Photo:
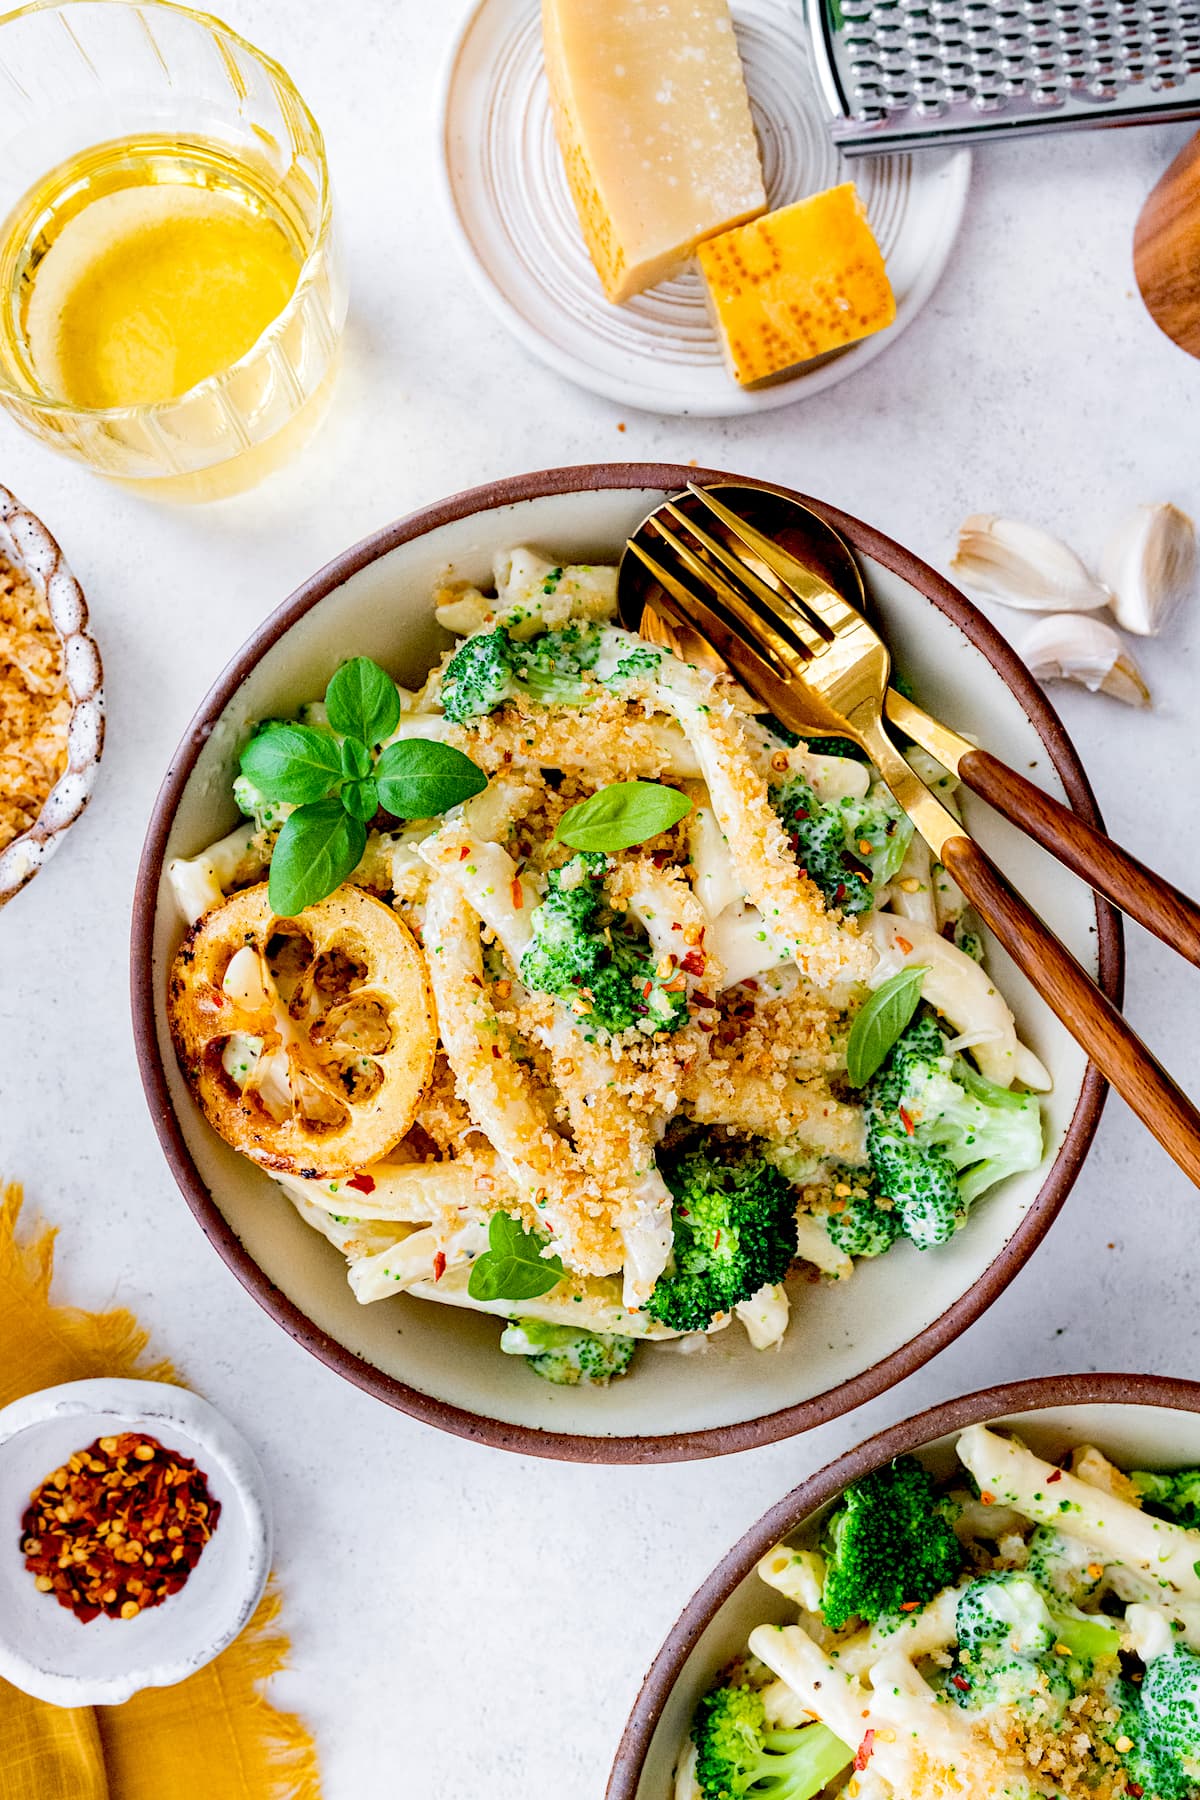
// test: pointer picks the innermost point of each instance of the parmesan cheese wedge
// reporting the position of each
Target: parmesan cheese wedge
(806, 279)
(654, 124)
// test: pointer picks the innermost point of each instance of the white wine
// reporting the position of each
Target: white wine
(141, 267)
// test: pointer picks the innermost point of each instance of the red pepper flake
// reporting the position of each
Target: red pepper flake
(908, 1124)
(464, 852)
(909, 1605)
(904, 945)
(1057, 1476)
(518, 893)
(439, 1265)
(695, 962)
(703, 999)
(839, 892)
(961, 1683)
(863, 1754)
(987, 1498)
(798, 812)
(1131, 1787)
(647, 990)
(362, 1184)
(79, 1561)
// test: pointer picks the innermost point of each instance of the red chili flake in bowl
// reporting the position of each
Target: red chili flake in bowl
(118, 1528)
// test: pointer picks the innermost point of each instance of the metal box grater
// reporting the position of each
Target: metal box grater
(896, 74)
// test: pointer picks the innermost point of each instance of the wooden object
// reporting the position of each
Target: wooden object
(1090, 1017)
(1111, 871)
(1166, 250)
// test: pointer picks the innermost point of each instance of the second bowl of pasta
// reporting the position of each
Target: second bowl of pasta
(559, 1047)
(998, 1597)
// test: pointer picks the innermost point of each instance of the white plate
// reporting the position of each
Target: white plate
(44, 1649)
(509, 198)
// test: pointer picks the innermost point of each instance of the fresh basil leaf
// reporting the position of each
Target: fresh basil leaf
(419, 778)
(512, 1268)
(356, 759)
(361, 799)
(295, 763)
(879, 1023)
(626, 813)
(362, 701)
(319, 846)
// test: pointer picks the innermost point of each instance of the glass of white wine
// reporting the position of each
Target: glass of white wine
(171, 296)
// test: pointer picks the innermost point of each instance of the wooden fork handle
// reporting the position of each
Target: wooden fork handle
(1129, 884)
(1073, 997)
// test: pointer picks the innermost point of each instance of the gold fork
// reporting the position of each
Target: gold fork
(820, 666)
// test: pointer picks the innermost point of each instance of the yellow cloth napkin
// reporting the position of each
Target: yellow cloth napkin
(215, 1733)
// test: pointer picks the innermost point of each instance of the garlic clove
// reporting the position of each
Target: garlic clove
(1150, 564)
(1024, 566)
(1069, 647)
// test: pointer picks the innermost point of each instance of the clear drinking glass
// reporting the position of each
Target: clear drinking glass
(81, 73)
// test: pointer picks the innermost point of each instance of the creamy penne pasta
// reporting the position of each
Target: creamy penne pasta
(945, 1646)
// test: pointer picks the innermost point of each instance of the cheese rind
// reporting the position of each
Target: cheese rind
(803, 280)
(653, 121)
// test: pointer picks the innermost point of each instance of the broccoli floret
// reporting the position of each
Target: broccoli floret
(850, 847)
(567, 1356)
(888, 1545)
(268, 815)
(857, 1223)
(491, 667)
(939, 1135)
(1158, 1734)
(1016, 1649)
(478, 677)
(594, 959)
(738, 1754)
(734, 1224)
(642, 661)
(1062, 1567)
(1172, 1495)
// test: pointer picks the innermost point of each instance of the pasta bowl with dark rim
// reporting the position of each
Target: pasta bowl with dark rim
(1138, 1421)
(847, 1341)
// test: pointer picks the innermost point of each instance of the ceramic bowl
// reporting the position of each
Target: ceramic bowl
(1141, 1421)
(28, 547)
(846, 1342)
(44, 1649)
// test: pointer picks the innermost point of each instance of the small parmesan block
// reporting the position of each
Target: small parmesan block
(798, 282)
(654, 125)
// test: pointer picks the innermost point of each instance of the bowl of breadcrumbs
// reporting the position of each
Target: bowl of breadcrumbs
(51, 699)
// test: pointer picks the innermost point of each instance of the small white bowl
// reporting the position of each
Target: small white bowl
(44, 1649)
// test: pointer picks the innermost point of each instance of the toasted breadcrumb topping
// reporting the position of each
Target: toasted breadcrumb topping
(35, 705)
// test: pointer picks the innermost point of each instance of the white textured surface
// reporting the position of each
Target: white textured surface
(462, 1621)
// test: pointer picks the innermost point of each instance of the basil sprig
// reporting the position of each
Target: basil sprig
(880, 1022)
(626, 813)
(513, 1267)
(337, 778)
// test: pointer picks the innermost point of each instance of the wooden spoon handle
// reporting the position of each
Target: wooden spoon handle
(1073, 997)
(1129, 884)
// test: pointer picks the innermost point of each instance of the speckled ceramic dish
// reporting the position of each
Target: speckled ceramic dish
(44, 1649)
(28, 546)
(1141, 1421)
(513, 213)
(847, 1341)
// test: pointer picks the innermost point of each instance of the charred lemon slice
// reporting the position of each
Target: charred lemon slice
(307, 1042)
